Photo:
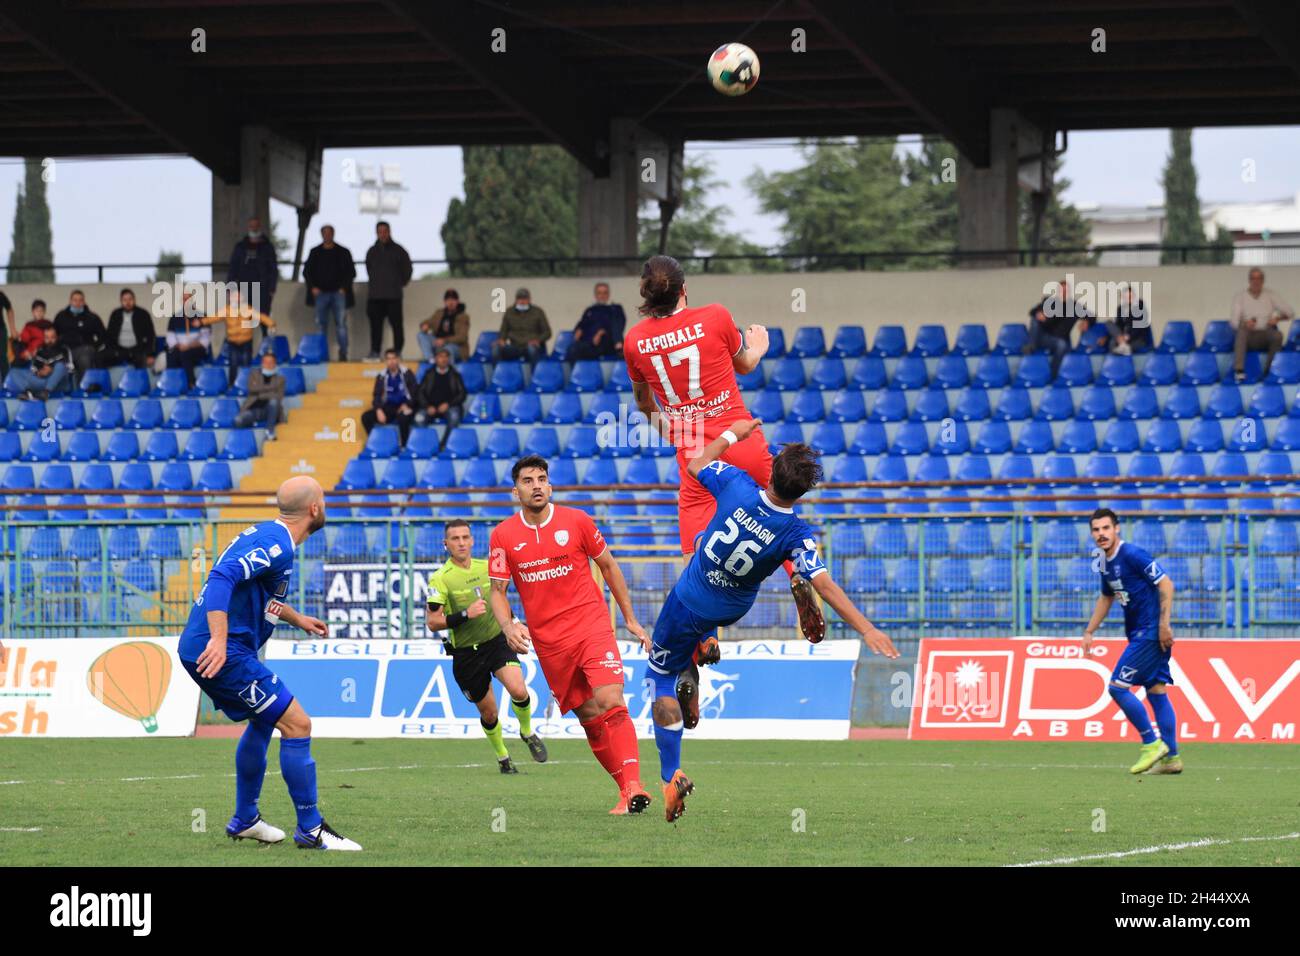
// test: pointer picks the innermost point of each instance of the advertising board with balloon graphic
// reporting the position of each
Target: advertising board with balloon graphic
(96, 687)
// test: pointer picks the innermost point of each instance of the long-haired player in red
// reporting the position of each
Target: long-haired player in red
(684, 361)
(545, 550)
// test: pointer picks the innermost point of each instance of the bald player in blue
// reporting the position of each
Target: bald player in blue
(241, 602)
(1134, 578)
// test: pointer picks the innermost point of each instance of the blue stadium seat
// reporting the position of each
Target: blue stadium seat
(1035, 371)
(808, 342)
(70, 413)
(1181, 402)
(1224, 402)
(1059, 467)
(1090, 341)
(768, 406)
(1163, 436)
(160, 446)
(463, 443)
(209, 380)
(542, 440)
(583, 442)
(1075, 370)
(1101, 467)
(507, 377)
(784, 434)
(1287, 436)
(240, 445)
(602, 471)
(1035, 438)
(1140, 403)
(164, 543)
(890, 468)
(931, 341)
(972, 405)
(889, 406)
(525, 409)
(312, 350)
(1145, 465)
(1078, 438)
(1267, 401)
(134, 383)
(992, 372)
(951, 372)
(869, 373)
(175, 476)
(931, 406)
(951, 439)
(94, 381)
(96, 476)
(973, 467)
(1117, 370)
(31, 416)
(933, 468)
(587, 375)
(1055, 405)
(847, 406)
(850, 342)
(398, 473)
(1159, 369)
(1285, 369)
(749, 382)
(994, 438)
(910, 373)
(384, 441)
(827, 375)
(1013, 405)
(1149, 535)
(1274, 463)
(850, 468)
(199, 446)
(642, 471)
(185, 414)
(775, 343)
(1014, 467)
(122, 446)
(806, 407)
(869, 439)
(295, 381)
(890, 341)
(604, 408)
(1012, 339)
(474, 375)
(828, 438)
(136, 476)
(480, 473)
(39, 449)
(172, 383)
(565, 409)
(484, 408)
(123, 543)
(147, 414)
(82, 446)
(1187, 464)
(786, 375)
(1121, 438)
(357, 473)
(1178, 337)
(222, 413)
(502, 442)
(55, 478)
(1202, 368)
(1097, 404)
(621, 382)
(10, 444)
(438, 473)
(1219, 337)
(1205, 435)
(483, 346)
(971, 340)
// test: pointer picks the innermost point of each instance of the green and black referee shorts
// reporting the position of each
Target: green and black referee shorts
(473, 667)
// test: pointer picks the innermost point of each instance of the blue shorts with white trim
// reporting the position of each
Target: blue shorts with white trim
(244, 689)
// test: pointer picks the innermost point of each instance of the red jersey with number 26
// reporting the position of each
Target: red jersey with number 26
(687, 358)
(548, 565)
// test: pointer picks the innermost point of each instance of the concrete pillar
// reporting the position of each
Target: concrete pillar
(988, 210)
(234, 203)
(607, 207)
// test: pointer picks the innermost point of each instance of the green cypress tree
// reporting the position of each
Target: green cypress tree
(33, 243)
(1183, 225)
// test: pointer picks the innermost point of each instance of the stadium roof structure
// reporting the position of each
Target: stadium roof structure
(94, 77)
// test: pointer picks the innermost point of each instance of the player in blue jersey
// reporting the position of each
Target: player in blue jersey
(753, 532)
(233, 616)
(1135, 579)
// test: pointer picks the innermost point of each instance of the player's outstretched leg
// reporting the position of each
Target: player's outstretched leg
(250, 770)
(521, 705)
(687, 694)
(1163, 708)
(1152, 747)
(299, 772)
(612, 737)
(668, 724)
(811, 620)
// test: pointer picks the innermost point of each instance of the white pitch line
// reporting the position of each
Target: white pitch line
(10, 783)
(20, 829)
(1162, 848)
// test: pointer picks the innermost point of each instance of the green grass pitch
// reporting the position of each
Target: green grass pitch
(134, 802)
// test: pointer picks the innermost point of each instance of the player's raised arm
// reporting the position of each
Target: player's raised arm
(714, 449)
(834, 595)
(1099, 612)
(753, 347)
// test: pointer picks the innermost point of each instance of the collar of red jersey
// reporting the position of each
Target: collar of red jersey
(538, 527)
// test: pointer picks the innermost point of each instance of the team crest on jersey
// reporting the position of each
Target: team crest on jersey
(561, 537)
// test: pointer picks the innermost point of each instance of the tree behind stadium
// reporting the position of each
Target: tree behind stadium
(33, 241)
(1183, 225)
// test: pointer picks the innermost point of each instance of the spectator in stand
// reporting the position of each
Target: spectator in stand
(51, 367)
(265, 398)
(524, 331)
(130, 337)
(448, 328)
(328, 273)
(395, 397)
(1256, 312)
(10, 351)
(442, 395)
(1130, 330)
(188, 338)
(600, 330)
(252, 261)
(1051, 322)
(241, 320)
(81, 332)
(388, 268)
(32, 337)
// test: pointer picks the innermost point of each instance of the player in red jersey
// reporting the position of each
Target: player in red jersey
(544, 550)
(685, 361)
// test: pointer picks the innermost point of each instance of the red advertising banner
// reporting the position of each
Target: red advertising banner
(1044, 689)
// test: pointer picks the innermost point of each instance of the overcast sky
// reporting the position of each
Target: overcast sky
(127, 210)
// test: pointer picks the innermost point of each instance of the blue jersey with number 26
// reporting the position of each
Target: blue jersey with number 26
(748, 539)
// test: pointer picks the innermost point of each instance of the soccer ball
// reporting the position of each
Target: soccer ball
(733, 69)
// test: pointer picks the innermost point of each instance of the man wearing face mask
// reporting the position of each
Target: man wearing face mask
(253, 262)
(81, 332)
(265, 397)
(524, 331)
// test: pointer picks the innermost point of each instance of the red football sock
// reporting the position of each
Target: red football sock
(621, 734)
(599, 737)
(789, 568)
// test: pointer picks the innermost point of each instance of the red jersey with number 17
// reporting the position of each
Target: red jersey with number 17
(548, 565)
(687, 358)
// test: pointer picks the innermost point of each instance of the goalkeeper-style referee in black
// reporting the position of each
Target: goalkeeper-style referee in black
(478, 648)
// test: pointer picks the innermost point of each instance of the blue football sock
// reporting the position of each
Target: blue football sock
(250, 769)
(299, 772)
(1165, 720)
(1134, 711)
(669, 742)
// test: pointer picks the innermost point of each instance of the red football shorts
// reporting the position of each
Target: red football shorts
(575, 667)
(696, 506)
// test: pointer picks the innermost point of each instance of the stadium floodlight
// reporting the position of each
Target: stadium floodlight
(390, 203)
(369, 174)
(391, 174)
(368, 201)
